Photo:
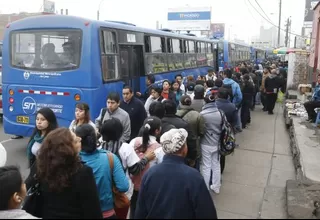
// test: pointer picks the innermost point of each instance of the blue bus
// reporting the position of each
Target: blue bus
(230, 54)
(57, 61)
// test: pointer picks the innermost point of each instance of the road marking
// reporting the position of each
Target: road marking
(5, 141)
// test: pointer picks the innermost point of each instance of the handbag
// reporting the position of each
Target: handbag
(120, 199)
(32, 204)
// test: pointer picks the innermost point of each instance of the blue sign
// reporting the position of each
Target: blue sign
(187, 16)
(217, 30)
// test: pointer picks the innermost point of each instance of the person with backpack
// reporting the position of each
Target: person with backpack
(143, 145)
(235, 94)
(210, 144)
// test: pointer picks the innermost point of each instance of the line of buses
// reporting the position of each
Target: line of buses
(57, 61)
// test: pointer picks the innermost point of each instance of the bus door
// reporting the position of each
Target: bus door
(132, 65)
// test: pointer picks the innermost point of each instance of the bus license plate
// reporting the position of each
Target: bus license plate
(23, 119)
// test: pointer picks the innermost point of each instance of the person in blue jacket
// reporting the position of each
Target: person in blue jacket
(236, 94)
(313, 103)
(99, 162)
(184, 196)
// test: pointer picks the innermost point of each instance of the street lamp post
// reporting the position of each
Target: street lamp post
(98, 12)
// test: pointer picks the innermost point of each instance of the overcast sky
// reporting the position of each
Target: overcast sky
(243, 20)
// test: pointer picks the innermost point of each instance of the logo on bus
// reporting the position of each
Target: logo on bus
(26, 75)
(29, 105)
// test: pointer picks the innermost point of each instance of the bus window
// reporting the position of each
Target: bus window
(175, 59)
(156, 60)
(46, 50)
(156, 45)
(210, 55)
(201, 56)
(0, 49)
(191, 47)
(109, 55)
(190, 58)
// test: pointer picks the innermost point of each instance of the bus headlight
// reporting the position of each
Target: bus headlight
(11, 108)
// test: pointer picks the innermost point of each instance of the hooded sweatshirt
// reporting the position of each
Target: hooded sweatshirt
(237, 94)
(16, 214)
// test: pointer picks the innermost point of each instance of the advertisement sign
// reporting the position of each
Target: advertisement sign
(217, 30)
(49, 6)
(189, 18)
(310, 4)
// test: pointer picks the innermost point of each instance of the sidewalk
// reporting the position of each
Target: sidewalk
(255, 177)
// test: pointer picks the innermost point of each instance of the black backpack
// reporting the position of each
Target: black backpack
(229, 88)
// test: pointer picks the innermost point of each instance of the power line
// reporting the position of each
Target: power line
(274, 24)
(251, 12)
(263, 10)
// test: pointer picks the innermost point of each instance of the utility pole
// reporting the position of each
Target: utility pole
(289, 32)
(279, 26)
(288, 26)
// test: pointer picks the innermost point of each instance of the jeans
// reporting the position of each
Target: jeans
(210, 161)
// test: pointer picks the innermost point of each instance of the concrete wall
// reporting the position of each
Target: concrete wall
(298, 70)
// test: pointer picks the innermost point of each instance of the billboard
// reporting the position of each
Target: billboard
(217, 30)
(189, 18)
(308, 14)
(48, 6)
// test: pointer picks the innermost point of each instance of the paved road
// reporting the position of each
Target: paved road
(16, 151)
(255, 176)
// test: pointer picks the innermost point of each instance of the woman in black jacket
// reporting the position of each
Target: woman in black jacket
(68, 187)
(247, 98)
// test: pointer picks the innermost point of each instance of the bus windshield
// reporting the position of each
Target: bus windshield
(46, 50)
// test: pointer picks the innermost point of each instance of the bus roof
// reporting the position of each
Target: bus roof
(67, 21)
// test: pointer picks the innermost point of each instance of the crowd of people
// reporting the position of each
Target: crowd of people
(156, 154)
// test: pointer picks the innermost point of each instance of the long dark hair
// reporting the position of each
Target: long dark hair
(50, 117)
(57, 160)
(151, 124)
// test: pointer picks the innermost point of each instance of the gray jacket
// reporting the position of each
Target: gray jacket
(213, 120)
(124, 118)
(16, 214)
